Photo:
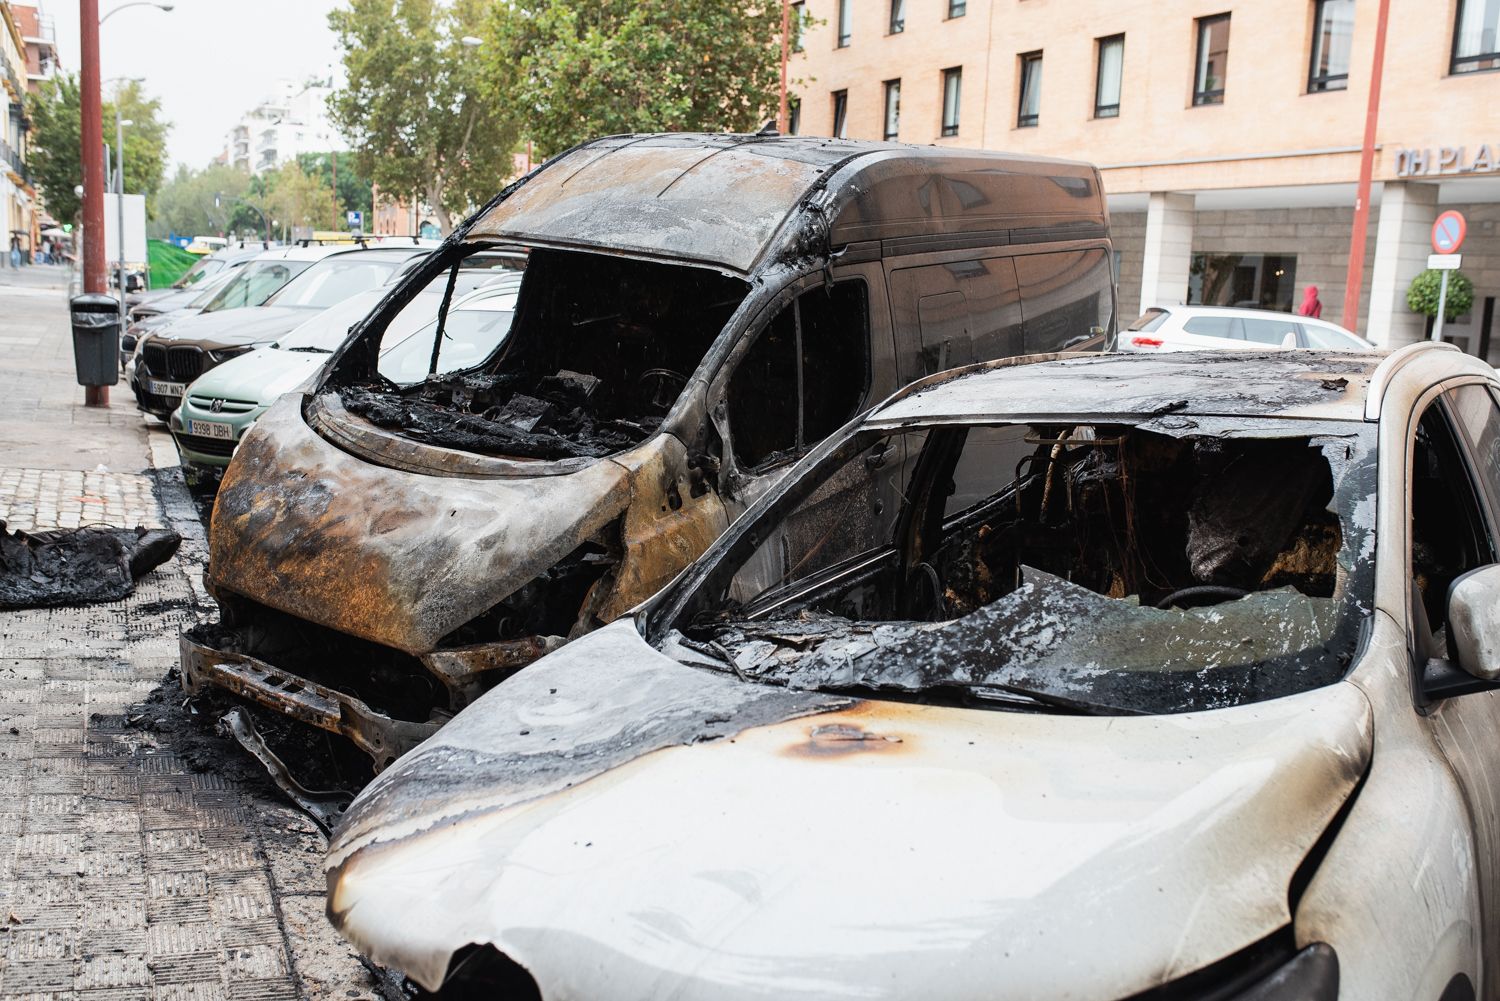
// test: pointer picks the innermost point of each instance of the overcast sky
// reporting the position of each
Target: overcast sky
(207, 60)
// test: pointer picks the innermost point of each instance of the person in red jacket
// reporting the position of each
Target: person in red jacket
(1311, 304)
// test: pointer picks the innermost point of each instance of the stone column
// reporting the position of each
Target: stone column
(1168, 249)
(1403, 239)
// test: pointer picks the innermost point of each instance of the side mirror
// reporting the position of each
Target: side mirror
(1474, 622)
(1289, 340)
(1473, 663)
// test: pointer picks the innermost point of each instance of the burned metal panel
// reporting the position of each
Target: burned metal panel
(78, 566)
(718, 200)
(1130, 388)
(741, 868)
(397, 558)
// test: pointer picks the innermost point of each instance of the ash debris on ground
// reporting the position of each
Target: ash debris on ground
(503, 414)
(78, 566)
(190, 725)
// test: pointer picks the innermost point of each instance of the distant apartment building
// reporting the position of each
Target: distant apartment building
(1228, 133)
(39, 35)
(18, 215)
(293, 120)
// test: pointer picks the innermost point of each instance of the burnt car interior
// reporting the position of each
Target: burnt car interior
(599, 350)
(1039, 559)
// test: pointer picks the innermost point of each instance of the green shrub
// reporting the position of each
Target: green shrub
(1422, 296)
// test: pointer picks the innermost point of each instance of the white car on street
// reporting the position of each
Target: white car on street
(1227, 328)
(1096, 677)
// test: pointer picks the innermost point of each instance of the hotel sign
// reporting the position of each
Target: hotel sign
(1482, 159)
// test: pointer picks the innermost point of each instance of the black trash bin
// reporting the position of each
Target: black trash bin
(96, 338)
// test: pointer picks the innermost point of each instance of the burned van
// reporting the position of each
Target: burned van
(697, 312)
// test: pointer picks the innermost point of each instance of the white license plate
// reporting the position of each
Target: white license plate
(164, 388)
(211, 429)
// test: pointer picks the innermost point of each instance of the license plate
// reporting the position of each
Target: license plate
(211, 429)
(164, 388)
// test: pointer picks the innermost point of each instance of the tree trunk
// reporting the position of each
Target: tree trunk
(434, 198)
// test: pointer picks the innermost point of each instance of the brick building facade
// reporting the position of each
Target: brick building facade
(1228, 133)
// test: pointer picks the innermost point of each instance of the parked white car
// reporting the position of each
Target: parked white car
(1226, 328)
(1094, 677)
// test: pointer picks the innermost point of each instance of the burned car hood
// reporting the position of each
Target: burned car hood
(625, 826)
(236, 326)
(397, 557)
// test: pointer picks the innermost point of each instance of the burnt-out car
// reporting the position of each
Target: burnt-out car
(697, 312)
(1096, 677)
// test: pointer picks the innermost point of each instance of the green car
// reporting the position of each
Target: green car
(219, 407)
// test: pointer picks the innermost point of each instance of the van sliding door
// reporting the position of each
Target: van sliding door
(948, 315)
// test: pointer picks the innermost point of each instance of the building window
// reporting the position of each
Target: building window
(799, 14)
(892, 109)
(1107, 85)
(1333, 36)
(1031, 90)
(840, 114)
(794, 116)
(1255, 281)
(958, 8)
(1213, 59)
(846, 22)
(898, 16)
(1476, 36)
(952, 90)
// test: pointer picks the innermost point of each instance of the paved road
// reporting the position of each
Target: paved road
(127, 870)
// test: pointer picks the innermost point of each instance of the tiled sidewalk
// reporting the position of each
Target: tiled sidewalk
(130, 870)
(38, 499)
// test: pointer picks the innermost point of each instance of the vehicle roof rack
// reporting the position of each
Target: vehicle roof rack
(1385, 372)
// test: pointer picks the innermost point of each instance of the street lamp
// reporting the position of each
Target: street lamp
(91, 138)
(135, 3)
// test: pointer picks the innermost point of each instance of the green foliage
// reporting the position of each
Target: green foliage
(353, 190)
(185, 205)
(168, 263)
(1422, 295)
(412, 108)
(56, 150)
(295, 199)
(601, 67)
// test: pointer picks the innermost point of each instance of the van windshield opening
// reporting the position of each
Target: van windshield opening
(1084, 567)
(599, 349)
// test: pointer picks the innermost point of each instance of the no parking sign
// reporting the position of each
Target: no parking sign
(1448, 232)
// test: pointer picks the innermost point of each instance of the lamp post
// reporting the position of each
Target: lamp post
(92, 140)
(120, 124)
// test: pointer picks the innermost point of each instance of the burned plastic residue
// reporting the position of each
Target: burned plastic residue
(78, 566)
(516, 415)
(1127, 572)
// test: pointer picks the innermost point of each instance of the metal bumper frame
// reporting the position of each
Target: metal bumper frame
(380, 736)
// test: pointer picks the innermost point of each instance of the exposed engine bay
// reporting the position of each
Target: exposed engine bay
(600, 348)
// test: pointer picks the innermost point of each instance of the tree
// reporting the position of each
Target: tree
(601, 67)
(411, 108)
(297, 199)
(353, 189)
(1422, 295)
(185, 204)
(57, 154)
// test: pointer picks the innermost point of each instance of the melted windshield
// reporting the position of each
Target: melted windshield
(254, 283)
(1175, 565)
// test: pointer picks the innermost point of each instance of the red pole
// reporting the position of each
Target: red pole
(92, 140)
(1356, 275)
(786, 47)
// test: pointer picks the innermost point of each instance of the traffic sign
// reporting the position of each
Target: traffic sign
(356, 219)
(1448, 232)
(1444, 262)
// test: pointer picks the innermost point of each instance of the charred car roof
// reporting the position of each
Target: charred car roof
(722, 199)
(1130, 388)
